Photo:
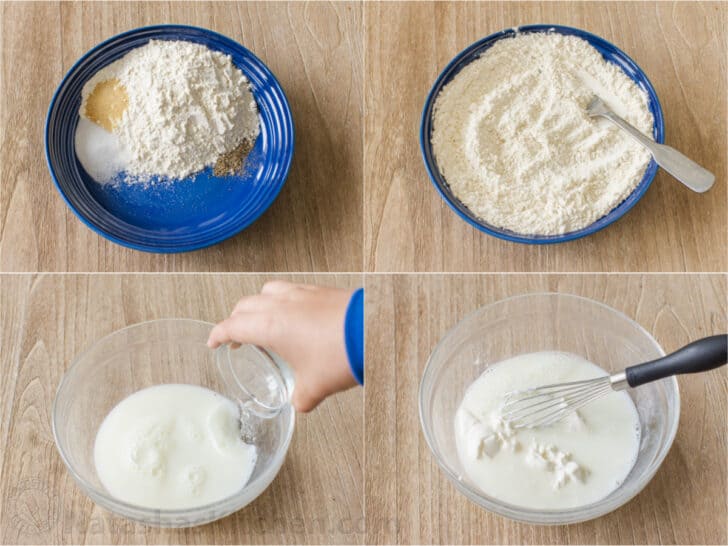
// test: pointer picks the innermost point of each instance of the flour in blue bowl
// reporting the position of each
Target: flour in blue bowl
(513, 141)
(187, 106)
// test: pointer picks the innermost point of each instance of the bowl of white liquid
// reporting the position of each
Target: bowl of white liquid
(158, 428)
(575, 470)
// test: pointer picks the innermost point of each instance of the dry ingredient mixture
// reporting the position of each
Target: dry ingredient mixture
(512, 138)
(170, 109)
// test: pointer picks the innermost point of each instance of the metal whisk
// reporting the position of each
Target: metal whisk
(546, 405)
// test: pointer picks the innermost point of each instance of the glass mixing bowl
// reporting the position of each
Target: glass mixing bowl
(541, 322)
(172, 351)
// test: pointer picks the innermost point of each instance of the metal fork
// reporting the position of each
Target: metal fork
(685, 170)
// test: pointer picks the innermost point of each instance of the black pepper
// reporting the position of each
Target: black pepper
(232, 161)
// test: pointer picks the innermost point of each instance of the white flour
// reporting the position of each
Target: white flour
(512, 139)
(187, 106)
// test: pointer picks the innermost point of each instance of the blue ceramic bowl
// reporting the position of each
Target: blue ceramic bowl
(612, 54)
(181, 215)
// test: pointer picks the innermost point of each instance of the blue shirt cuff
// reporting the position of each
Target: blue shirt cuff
(354, 335)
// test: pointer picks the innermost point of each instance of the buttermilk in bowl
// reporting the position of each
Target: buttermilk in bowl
(572, 463)
(173, 447)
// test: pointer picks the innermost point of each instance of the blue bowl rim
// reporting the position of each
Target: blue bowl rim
(180, 248)
(433, 171)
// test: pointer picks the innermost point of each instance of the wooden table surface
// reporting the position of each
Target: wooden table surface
(319, 223)
(408, 227)
(315, 51)
(409, 500)
(45, 320)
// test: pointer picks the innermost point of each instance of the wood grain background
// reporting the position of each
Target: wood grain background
(315, 51)
(408, 227)
(46, 320)
(409, 500)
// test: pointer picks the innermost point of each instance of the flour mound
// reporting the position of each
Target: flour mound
(187, 106)
(512, 138)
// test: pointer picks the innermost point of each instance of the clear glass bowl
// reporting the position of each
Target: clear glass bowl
(540, 322)
(172, 351)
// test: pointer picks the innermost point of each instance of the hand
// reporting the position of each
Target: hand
(304, 325)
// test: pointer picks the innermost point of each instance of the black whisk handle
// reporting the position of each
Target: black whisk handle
(699, 356)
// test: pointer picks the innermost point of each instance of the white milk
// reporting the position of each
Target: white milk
(569, 464)
(171, 447)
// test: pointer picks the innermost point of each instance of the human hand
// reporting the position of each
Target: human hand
(303, 324)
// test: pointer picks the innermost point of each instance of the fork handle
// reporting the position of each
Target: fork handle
(678, 165)
(699, 356)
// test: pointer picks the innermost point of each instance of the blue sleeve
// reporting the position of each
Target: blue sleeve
(354, 334)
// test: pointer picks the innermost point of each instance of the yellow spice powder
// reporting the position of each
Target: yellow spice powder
(107, 103)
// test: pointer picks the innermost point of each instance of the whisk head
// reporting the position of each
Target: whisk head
(549, 404)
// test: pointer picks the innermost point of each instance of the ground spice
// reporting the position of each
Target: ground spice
(232, 161)
(106, 104)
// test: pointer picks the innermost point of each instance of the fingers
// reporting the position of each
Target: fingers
(219, 335)
(252, 320)
(271, 295)
(277, 288)
(283, 288)
(302, 401)
(253, 304)
(244, 328)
